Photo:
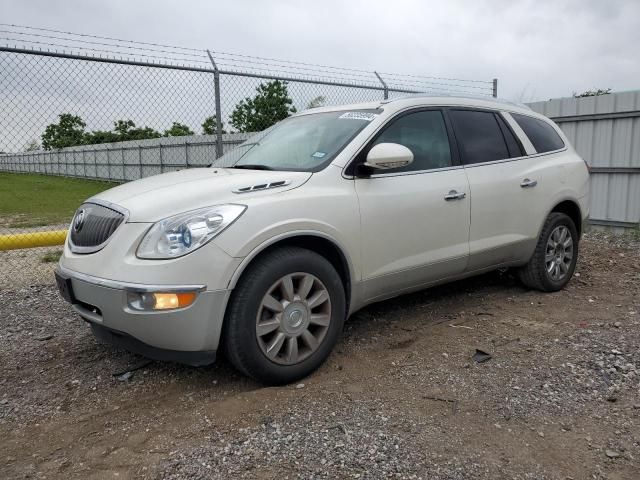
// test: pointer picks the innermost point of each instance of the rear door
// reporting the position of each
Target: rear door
(509, 189)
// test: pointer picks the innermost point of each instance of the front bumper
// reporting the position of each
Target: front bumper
(165, 335)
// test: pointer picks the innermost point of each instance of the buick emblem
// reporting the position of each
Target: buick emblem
(78, 223)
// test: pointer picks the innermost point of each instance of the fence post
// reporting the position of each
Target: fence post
(495, 88)
(95, 163)
(124, 169)
(216, 87)
(384, 85)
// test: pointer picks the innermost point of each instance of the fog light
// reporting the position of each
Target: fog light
(160, 300)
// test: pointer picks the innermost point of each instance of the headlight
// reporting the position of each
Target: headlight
(181, 234)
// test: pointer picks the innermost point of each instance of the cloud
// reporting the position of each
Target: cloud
(537, 49)
(553, 47)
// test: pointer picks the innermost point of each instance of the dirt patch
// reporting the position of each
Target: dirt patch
(401, 397)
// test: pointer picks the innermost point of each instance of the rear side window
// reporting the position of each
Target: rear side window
(479, 136)
(542, 135)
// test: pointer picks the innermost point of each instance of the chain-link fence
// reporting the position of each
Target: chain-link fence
(81, 113)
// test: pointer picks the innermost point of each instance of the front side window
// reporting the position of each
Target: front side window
(542, 135)
(479, 136)
(425, 134)
(304, 143)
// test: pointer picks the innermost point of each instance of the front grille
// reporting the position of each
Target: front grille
(92, 226)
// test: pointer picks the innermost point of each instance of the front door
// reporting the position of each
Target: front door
(414, 219)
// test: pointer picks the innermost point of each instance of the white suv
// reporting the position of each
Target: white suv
(268, 251)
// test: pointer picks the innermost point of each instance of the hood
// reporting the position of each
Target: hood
(154, 198)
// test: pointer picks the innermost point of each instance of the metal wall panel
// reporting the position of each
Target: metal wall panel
(123, 161)
(605, 130)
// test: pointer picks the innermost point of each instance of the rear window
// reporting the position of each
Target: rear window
(542, 135)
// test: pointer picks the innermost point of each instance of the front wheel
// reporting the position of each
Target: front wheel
(554, 259)
(285, 316)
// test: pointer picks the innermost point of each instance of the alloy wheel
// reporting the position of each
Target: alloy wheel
(293, 318)
(559, 253)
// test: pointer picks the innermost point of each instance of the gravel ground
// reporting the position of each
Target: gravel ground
(402, 396)
(24, 268)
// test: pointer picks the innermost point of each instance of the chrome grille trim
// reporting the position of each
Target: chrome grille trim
(133, 287)
(97, 229)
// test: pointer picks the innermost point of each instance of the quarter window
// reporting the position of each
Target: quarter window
(542, 135)
(479, 136)
(425, 134)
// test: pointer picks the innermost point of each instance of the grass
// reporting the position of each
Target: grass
(30, 200)
(51, 257)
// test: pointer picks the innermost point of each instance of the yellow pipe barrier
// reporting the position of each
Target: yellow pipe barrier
(32, 240)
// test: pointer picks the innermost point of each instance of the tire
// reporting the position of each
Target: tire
(537, 274)
(254, 325)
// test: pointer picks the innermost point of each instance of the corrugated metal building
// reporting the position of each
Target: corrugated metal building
(605, 130)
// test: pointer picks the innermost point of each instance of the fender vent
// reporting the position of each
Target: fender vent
(262, 186)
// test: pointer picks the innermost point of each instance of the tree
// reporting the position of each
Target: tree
(592, 93)
(127, 130)
(319, 101)
(123, 130)
(271, 104)
(68, 132)
(32, 146)
(210, 126)
(100, 136)
(178, 130)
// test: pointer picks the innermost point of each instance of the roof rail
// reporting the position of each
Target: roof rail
(470, 97)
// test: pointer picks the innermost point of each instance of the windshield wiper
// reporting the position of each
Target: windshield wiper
(253, 166)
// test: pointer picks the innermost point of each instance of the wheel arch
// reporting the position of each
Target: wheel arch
(571, 208)
(317, 242)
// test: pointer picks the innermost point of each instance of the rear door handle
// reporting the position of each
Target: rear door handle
(527, 183)
(454, 195)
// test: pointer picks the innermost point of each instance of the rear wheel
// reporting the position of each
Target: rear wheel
(285, 316)
(554, 259)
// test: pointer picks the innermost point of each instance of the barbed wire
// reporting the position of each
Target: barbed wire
(99, 37)
(201, 55)
(101, 50)
(253, 63)
(435, 78)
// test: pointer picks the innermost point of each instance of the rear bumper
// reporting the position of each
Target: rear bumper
(189, 335)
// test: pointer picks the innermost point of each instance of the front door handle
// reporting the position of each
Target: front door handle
(454, 195)
(527, 183)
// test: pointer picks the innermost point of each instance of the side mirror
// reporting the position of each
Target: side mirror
(388, 155)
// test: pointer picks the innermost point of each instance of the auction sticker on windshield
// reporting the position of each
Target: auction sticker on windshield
(359, 116)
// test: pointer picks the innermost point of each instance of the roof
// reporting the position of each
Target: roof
(427, 100)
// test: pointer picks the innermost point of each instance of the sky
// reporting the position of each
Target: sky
(537, 49)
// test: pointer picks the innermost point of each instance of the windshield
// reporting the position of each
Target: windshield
(304, 143)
